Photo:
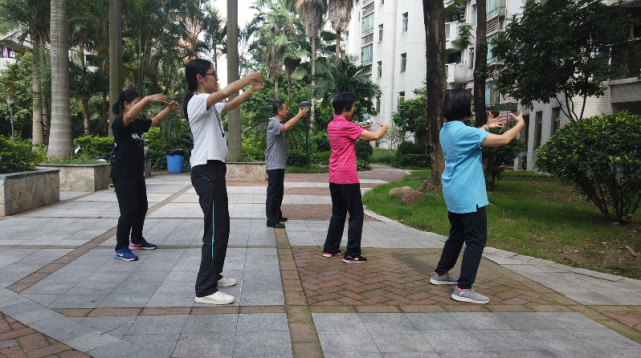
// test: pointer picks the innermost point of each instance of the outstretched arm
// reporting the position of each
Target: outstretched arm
(137, 108)
(253, 77)
(499, 140)
(292, 122)
(369, 136)
(164, 113)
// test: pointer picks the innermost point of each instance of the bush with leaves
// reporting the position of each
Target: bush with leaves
(495, 158)
(95, 145)
(296, 158)
(320, 142)
(407, 147)
(363, 150)
(602, 156)
(362, 165)
(320, 158)
(18, 156)
(421, 160)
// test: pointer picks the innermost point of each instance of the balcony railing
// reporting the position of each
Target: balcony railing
(458, 73)
(367, 32)
(368, 7)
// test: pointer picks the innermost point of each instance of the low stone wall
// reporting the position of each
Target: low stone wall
(82, 177)
(246, 171)
(28, 190)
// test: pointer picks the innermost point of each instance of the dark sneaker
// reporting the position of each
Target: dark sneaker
(354, 260)
(444, 279)
(330, 254)
(282, 219)
(469, 296)
(143, 245)
(125, 255)
(277, 226)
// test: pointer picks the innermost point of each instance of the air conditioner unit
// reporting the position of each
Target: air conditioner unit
(454, 17)
(462, 16)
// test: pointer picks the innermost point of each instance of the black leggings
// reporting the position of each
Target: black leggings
(211, 187)
(471, 229)
(132, 200)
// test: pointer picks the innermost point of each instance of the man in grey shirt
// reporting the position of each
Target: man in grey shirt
(276, 161)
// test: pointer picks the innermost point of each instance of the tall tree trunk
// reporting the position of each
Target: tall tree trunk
(233, 117)
(338, 45)
(85, 115)
(105, 113)
(312, 118)
(46, 123)
(480, 63)
(37, 136)
(276, 96)
(288, 74)
(60, 139)
(115, 56)
(433, 14)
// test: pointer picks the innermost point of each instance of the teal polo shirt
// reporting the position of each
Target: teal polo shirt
(463, 178)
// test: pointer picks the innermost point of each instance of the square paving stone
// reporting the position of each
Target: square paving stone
(476, 320)
(161, 344)
(498, 339)
(401, 341)
(386, 322)
(347, 343)
(338, 322)
(205, 345)
(147, 325)
(258, 344)
(454, 341)
(119, 348)
(210, 323)
(266, 322)
(555, 339)
(604, 339)
(116, 326)
(437, 321)
(527, 320)
(126, 300)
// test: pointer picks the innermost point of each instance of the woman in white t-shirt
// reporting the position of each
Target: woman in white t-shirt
(203, 105)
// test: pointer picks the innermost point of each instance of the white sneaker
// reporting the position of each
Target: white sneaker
(226, 282)
(218, 298)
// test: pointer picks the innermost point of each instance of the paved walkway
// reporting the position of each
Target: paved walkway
(62, 295)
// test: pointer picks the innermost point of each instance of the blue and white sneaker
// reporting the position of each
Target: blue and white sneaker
(125, 255)
(143, 245)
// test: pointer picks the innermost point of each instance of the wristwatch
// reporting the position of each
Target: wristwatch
(486, 127)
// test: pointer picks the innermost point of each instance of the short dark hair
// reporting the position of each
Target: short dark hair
(457, 103)
(277, 106)
(128, 96)
(343, 101)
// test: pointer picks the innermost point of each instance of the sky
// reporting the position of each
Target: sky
(245, 14)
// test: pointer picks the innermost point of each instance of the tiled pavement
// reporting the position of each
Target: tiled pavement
(290, 300)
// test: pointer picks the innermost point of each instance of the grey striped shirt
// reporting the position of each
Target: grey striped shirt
(276, 153)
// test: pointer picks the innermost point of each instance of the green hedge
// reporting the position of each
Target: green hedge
(18, 156)
(413, 159)
(95, 145)
(380, 155)
(363, 150)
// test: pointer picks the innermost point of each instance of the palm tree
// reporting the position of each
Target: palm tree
(233, 117)
(480, 61)
(339, 13)
(29, 18)
(85, 83)
(342, 75)
(311, 14)
(60, 140)
(115, 54)
(212, 26)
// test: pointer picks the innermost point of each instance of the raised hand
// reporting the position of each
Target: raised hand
(173, 105)
(255, 86)
(157, 98)
(498, 122)
(302, 112)
(518, 117)
(382, 124)
(256, 77)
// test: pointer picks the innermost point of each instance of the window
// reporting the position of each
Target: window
(379, 70)
(378, 105)
(538, 127)
(405, 20)
(382, 2)
(525, 132)
(380, 32)
(368, 24)
(495, 7)
(401, 96)
(556, 120)
(367, 54)
(403, 62)
(473, 15)
(492, 95)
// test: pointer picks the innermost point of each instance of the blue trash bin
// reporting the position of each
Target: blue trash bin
(175, 161)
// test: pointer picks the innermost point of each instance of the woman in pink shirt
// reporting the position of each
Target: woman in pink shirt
(343, 180)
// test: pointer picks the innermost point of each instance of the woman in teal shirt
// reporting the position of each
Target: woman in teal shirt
(464, 191)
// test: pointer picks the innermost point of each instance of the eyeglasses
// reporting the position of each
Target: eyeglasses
(211, 74)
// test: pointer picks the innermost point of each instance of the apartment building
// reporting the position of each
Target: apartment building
(389, 37)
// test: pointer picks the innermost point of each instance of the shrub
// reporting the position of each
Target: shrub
(251, 154)
(95, 145)
(495, 158)
(363, 150)
(18, 156)
(422, 160)
(296, 158)
(602, 156)
(322, 142)
(362, 165)
(407, 147)
(320, 158)
(158, 158)
(380, 155)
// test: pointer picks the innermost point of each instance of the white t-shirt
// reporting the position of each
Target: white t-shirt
(207, 127)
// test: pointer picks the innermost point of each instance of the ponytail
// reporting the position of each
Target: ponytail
(127, 95)
(192, 70)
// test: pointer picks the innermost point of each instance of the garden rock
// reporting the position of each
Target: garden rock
(410, 197)
(321, 166)
(400, 191)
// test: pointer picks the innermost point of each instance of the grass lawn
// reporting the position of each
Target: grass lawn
(404, 167)
(539, 217)
(303, 170)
